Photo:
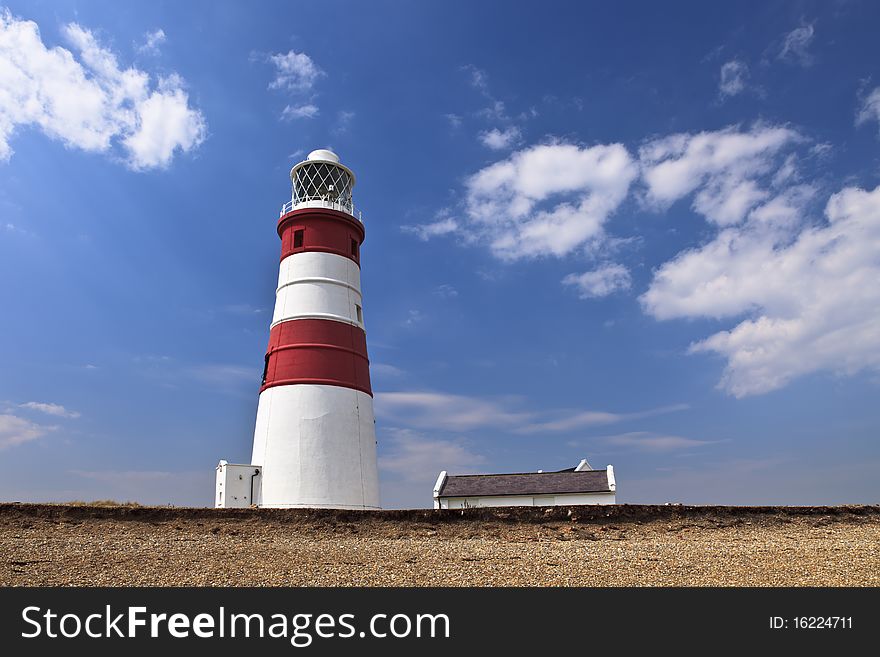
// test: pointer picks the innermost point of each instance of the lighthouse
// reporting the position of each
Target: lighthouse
(315, 437)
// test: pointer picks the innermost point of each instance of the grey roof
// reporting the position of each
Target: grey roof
(527, 483)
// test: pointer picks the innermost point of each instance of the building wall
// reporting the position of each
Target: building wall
(317, 447)
(319, 286)
(525, 500)
(233, 485)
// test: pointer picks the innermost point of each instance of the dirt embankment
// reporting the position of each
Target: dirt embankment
(569, 546)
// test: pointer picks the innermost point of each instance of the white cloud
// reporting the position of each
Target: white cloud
(571, 421)
(385, 370)
(810, 294)
(415, 457)
(547, 199)
(496, 111)
(870, 108)
(446, 412)
(306, 111)
(600, 282)
(11, 228)
(344, 119)
(568, 420)
(733, 78)
(294, 71)
(90, 103)
(50, 409)
(17, 431)
(500, 139)
(413, 317)
(454, 120)
(426, 231)
(795, 45)
(409, 462)
(653, 442)
(152, 41)
(722, 166)
(166, 124)
(445, 291)
(478, 78)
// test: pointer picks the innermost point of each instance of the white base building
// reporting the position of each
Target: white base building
(578, 485)
(237, 485)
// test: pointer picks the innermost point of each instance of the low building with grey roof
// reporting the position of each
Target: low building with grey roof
(579, 485)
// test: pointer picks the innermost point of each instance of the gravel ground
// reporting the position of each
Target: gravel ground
(58, 545)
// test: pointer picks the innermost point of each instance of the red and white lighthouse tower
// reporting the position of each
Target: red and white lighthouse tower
(315, 436)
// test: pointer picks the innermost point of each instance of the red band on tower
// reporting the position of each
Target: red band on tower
(325, 230)
(317, 351)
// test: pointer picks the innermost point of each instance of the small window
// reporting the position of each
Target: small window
(354, 248)
(265, 368)
(298, 239)
(360, 314)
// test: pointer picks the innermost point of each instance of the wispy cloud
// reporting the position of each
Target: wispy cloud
(569, 419)
(654, 442)
(600, 282)
(294, 71)
(413, 317)
(409, 462)
(445, 291)
(296, 74)
(344, 119)
(307, 111)
(497, 140)
(869, 108)
(796, 44)
(478, 78)
(414, 456)
(439, 411)
(50, 409)
(449, 412)
(733, 78)
(437, 228)
(454, 120)
(152, 41)
(385, 370)
(16, 430)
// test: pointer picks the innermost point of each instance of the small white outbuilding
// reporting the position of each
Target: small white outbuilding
(578, 485)
(237, 485)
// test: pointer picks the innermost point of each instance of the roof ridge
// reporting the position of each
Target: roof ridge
(514, 474)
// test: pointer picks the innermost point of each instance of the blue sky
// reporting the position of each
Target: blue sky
(646, 234)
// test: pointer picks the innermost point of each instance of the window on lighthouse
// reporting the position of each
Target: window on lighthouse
(265, 370)
(354, 248)
(298, 239)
